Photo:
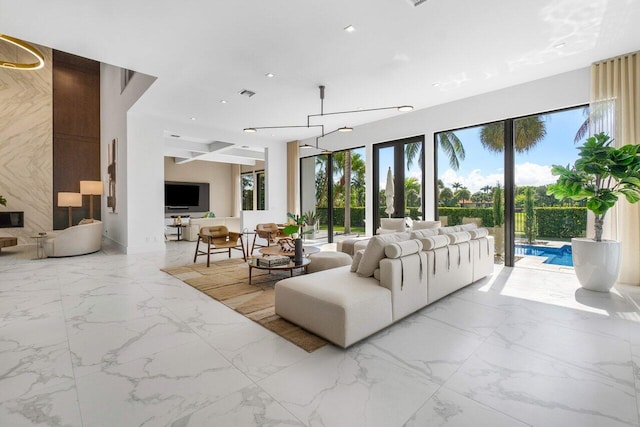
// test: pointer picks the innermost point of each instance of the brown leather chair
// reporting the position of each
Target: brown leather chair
(218, 237)
(268, 231)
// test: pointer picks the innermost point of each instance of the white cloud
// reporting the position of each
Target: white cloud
(526, 174)
(534, 174)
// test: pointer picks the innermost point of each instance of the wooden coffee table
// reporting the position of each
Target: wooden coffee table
(275, 250)
(253, 263)
(5, 242)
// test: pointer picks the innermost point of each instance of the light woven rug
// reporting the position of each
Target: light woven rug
(227, 281)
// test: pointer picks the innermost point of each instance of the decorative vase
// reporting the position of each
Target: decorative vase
(597, 264)
(297, 258)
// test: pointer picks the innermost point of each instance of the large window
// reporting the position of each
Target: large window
(332, 187)
(397, 179)
(253, 190)
(499, 172)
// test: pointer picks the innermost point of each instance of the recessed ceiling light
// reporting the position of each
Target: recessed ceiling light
(270, 75)
(250, 130)
(223, 101)
(350, 29)
(173, 135)
(193, 118)
(405, 108)
(244, 146)
(436, 84)
(560, 45)
(345, 129)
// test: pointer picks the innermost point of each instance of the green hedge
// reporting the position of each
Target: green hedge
(455, 215)
(561, 222)
(357, 216)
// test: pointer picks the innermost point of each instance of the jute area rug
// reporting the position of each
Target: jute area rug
(227, 281)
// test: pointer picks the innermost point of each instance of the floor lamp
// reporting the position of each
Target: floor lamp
(69, 200)
(91, 188)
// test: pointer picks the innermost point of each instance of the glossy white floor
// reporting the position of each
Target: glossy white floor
(109, 340)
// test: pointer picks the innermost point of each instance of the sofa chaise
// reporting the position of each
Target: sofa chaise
(394, 276)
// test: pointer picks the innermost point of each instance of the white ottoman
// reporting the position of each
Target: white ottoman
(325, 260)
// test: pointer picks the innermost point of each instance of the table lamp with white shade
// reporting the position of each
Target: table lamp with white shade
(69, 200)
(91, 188)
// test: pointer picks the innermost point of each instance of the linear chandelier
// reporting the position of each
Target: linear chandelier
(26, 47)
(401, 108)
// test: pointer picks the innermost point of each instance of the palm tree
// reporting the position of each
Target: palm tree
(528, 132)
(452, 147)
(456, 185)
(449, 143)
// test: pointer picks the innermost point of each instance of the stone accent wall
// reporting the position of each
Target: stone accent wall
(26, 144)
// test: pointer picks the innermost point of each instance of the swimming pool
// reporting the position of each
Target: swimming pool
(556, 256)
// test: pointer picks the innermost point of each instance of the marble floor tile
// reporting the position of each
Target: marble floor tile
(478, 319)
(362, 386)
(541, 392)
(209, 318)
(25, 369)
(15, 305)
(250, 406)
(157, 390)
(256, 351)
(51, 406)
(114, 306)
(606, 356)
(412, 342)
(450, 409)
(97, 346)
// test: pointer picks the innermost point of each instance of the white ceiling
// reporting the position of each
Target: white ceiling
(205, 51)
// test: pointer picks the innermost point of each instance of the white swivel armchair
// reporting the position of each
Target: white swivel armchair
(77, 240)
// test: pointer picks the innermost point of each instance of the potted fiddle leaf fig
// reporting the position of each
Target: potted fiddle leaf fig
(600, 176)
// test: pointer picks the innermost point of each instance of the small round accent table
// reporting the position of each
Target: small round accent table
(253, 263)
(39, 245)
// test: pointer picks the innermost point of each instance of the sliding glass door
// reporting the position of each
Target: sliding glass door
(499, 172)
(332, 188)
(398, 177)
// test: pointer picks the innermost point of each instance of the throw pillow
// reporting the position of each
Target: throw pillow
(86, 221)
(375, 252)
(356, 260)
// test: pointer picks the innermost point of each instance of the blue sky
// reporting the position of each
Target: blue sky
(482, 167)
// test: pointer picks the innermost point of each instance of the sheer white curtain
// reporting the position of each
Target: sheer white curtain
(236, 190)
(614, 109)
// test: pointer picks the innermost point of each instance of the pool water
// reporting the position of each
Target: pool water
(556, 256)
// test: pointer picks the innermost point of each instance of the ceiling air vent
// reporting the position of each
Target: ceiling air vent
(247, 93)
(417, 2)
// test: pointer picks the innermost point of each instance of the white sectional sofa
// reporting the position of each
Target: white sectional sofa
(191, 231)
(396, 275)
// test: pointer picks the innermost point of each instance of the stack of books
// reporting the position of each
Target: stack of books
(273, 261)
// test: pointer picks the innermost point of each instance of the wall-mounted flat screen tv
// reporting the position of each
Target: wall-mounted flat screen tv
(186, 197)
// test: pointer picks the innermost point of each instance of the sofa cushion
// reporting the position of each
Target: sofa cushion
(426, 225)
(447, 230)
(356, 260)
(86, 221)
(421, 234)
(394, 224)
(375, 252)
(458, 237)
(400, 249)
(478, 233)
(434, 242)
(324, 260)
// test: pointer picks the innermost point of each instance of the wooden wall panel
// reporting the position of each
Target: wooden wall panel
(76, 131)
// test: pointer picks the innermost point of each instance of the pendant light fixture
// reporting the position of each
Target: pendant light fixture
(401, 108)
(22, 45)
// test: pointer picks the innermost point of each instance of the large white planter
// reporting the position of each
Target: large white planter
(597, 264)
